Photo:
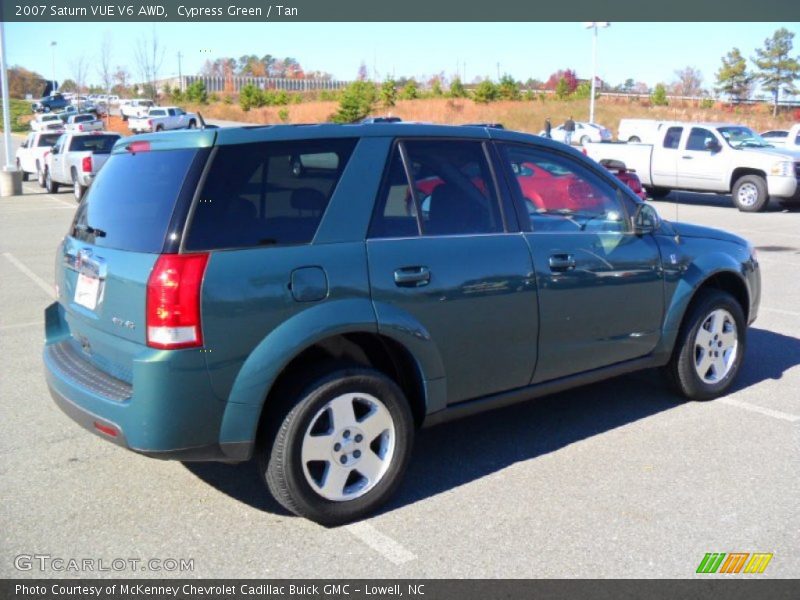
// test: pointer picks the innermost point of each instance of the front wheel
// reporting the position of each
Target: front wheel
(634, 139)
(710, 347)
(341, 449)
(192, 124)
(750, 193)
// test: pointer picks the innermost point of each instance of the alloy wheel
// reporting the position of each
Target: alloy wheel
(716, 346)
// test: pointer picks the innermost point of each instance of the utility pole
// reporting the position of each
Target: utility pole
(10, 178)
(498, 71)
(180, 75)
(594, 25)
(53, 49)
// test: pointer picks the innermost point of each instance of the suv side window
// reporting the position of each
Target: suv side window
(560, 194)
(451, 191)
(698, 138)
(267, 193)
(673, 137)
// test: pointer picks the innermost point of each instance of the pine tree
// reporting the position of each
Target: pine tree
(659, 97)
(389, 93)
(777, 70)
(356, 102)
(733, 78)
(457, 89)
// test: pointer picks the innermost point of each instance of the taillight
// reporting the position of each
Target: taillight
(173, 301)
(80, 127)
(86, 164)
(135, 147)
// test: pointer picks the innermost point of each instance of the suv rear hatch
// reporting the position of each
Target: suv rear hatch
(133, 213)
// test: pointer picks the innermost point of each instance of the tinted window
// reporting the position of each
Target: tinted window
(453, 186)
(157, 113)
(82, 118)
(97, 144)
(49, 139)
(133, 198)
(560, 194)
(267, 193)
(698, 138)
(673, 137)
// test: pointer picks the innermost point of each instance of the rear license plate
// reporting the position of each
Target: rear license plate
(87, 290)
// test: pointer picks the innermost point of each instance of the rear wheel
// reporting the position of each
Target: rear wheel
(585, 140)
(49, 184)
(192, 124)
(750, 193)
(24, 173)
(77, 189)
(634, 139)
(341, 448)
(159, 128)
(40, 175)
(710, 347)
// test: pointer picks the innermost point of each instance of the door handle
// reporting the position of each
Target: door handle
(687, 157)
(412, 276)
(562, 262)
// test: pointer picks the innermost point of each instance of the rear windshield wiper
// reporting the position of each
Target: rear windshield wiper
(91, 230)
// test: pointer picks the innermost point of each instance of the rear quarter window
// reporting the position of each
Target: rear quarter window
(268, 193)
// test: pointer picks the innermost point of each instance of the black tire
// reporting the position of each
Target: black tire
(585, 140)
(124, 116)
(192, 124)
(159, 128)
(279, 454)
(77, 189)
(50, 185)
(24, 173)
(658, 192)
(750, 193)
(790, 205)
(681, 371)
(634, 139)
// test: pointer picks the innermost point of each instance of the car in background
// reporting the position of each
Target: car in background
(583, 134)
(135, 108)
(626, 176)
(30, 154)
(84, 122)
(163, 118)
(637, 131)
(50, 103)
(784, 138)
(75, 159)
(47, 122)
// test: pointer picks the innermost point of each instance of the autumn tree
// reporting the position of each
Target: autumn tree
(777, 70)
(733, 78)
(569, 77)
(689, 82)
(22, 82)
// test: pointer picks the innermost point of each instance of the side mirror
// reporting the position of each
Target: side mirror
(713, 146)
(645, 220)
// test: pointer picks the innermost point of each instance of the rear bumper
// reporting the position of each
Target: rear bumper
(167, 411)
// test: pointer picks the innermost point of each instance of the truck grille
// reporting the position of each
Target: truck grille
(72, 365)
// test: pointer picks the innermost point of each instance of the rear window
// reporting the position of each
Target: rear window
(82, 118)
(49, 139)
(157, 113)
(96, 144)
(267, 193)
(129, 206)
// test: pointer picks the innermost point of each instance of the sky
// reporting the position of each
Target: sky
(648, 52)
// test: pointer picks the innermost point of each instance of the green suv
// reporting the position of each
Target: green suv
(310, 295)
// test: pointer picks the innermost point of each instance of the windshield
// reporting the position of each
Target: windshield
(743, 137)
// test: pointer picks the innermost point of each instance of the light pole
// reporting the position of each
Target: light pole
(594, 25)
(53, 48)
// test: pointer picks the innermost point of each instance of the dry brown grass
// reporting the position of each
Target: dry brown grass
(525, 116)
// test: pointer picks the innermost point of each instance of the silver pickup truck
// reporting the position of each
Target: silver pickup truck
(710, 157)
(76, 158)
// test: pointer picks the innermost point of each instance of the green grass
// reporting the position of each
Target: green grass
(19, 108)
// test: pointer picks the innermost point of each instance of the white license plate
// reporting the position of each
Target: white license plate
(86, 291)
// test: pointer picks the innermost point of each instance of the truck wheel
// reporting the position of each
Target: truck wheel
(634, 139)
(124, 116)
(159, 128)
(658, 192)
(192, 124)
(77, 189)
(584, 140)
(750, 193)
(710, 347)
(341, 448)
(39, 174)
(24, 173)
(49, 184)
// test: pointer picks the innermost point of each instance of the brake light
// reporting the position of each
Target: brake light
(134, 147)
(80, 127)
(173, 301)
(86, 164)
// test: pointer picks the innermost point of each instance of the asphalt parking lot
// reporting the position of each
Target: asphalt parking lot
(616, 479)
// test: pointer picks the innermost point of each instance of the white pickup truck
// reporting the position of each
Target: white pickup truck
(710, 157)
(30, 154)
(84, 122)
(164, 118)
(76, 158)
(133, 109)
(47, 122)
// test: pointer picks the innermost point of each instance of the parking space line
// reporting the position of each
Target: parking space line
(30, 274)
(20, 325)
(382, 544)
(34, 192)
(777, 414)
